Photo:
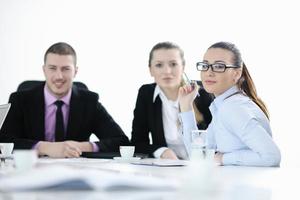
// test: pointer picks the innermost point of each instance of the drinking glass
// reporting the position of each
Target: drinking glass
(198, 144)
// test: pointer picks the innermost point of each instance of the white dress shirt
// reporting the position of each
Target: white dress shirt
(171, 125)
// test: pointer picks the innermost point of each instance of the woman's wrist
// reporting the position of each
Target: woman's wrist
(185, 107)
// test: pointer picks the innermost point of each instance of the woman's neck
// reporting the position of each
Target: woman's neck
(171, 93)
(225, 90)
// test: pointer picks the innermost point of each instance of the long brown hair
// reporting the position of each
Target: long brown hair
(169, 45)
(245, 83)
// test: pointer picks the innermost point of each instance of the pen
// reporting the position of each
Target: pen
(189, 82)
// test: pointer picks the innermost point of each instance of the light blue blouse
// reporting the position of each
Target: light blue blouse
(239, 129)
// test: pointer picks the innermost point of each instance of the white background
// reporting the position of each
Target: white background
(113, 39)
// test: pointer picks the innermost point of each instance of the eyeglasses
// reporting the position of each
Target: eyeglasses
(216, 67)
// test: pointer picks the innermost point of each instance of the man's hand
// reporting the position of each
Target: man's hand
(66, 149)
(169, 154)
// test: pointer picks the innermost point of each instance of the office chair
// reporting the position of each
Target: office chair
(30, 84)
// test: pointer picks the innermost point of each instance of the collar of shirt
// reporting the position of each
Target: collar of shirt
(218, 101)
(156, 92)
(161, 94)
(50, 98)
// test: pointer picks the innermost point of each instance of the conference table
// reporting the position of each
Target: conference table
(193, 180)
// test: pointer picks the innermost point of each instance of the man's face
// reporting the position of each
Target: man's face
(59, 71)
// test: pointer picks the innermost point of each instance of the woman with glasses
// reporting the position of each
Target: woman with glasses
(240, 129)
(158, 111)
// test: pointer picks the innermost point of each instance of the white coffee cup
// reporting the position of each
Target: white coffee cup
(127, 151)
(6, 148)
(25, 159)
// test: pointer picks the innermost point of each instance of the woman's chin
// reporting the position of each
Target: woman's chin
(209, 89)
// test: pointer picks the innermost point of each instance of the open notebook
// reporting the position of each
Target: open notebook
(3, 112)
(61, 177)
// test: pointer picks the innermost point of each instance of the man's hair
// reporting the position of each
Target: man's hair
(61, 48)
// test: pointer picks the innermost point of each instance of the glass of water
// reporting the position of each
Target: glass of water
(198, 144)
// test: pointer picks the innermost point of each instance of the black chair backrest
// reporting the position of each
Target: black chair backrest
(30, 84)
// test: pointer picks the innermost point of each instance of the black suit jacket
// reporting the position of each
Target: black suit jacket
(25, 123)
(148, 119)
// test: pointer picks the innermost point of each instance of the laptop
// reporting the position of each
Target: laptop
(3, 113)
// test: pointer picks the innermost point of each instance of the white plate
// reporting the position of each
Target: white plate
(127, 159)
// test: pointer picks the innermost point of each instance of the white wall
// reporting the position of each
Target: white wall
(113, 38)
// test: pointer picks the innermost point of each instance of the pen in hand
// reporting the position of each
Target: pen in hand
(189, 82)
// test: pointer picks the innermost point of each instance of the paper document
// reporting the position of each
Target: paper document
(161, 162)
(68, 178)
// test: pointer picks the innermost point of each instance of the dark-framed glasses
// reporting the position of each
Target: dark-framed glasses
(216, 67)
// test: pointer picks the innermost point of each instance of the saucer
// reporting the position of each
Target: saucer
(6, 156)
(127, 159)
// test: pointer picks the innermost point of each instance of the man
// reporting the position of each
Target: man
(57, 118)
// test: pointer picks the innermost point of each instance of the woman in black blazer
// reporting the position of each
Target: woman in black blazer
(158, 109)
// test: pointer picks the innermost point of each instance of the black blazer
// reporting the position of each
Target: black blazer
(148, 119)
(25, 123)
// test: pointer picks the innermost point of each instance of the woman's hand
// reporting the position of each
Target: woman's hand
(219, 158)
(186, 96)
(169, 154)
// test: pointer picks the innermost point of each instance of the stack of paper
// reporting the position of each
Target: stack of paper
(68, 178)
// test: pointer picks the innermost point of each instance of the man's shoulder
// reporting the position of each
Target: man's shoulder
(86, 94)
(27, 94)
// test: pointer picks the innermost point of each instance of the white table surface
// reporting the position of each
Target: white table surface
(217, 182)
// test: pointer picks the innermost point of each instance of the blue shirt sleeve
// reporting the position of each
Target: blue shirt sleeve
(251, 126)
(262, 150)
(188, 122)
